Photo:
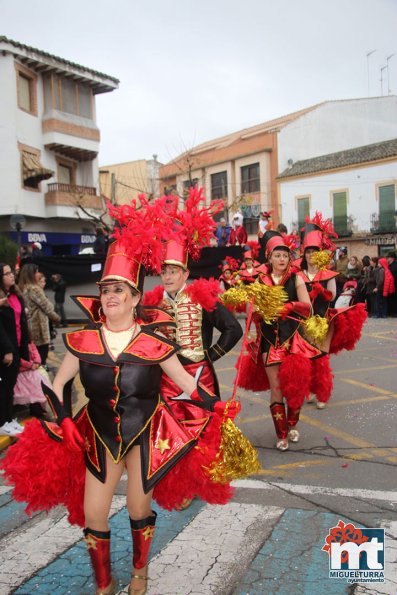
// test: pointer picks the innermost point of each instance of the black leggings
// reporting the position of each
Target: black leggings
(43, 352)
(8, 375)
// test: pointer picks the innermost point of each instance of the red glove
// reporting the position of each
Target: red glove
(72, 437)
(287, 309)
(317, 290)
(327, 295)
(232, 408)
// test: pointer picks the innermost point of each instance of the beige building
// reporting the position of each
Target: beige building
(123, 182)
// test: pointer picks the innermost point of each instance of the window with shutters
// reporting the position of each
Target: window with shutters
(250, 179)
(26, 89)
(387, 208)
(219, 185)
(303, 207)
(339, 202)
(67, 95)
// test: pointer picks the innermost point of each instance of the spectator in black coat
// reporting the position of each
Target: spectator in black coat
(14, 341)
(101, 243)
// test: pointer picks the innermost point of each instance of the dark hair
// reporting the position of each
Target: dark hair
(375, 259)
(303, 264)
(282, 228)
(13, 288)
(366, 261)
(391, 255)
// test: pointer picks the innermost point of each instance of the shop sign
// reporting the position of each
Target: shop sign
(385, 240)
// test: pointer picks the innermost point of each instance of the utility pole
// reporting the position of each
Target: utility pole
(368, 55)
(388, 77)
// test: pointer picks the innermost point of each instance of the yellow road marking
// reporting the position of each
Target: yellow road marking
(366, 368)
(277, 469)
(375, 389)
(349, 438)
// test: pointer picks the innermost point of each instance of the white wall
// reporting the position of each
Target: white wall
(336, 126)
(360, 184)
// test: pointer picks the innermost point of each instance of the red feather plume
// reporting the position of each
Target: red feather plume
(205, 292)
(154, 297)
(195, 225)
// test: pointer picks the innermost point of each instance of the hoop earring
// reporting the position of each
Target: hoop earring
(102, 317)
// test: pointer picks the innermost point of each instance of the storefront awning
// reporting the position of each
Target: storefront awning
(32, 168)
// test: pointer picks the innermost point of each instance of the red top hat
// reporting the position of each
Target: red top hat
(120, 266)
(272, 240)
(312, 236)
(176, 253)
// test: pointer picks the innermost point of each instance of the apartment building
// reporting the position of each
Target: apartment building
(49, 148)
(122, 182)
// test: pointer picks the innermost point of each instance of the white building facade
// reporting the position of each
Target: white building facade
(49, 147)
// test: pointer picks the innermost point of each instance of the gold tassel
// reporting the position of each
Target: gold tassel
(268, 300)
(321, 259)
(236, 458)
(316, 328)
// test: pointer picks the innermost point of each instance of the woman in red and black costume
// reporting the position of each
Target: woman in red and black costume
(321, 286)
(286, 353)
(125, 425)
(344, 324)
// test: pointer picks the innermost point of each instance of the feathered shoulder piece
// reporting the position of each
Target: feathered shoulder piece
(194, 225)
(204, 292)
(153, 297)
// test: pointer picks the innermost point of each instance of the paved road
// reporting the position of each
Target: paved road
(269, 538)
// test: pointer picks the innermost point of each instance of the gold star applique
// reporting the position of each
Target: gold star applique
(148, 533)
(278, 416)
(163, 445)
(90, 542)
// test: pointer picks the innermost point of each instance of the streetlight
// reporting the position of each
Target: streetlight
(381, 79)
(368, 55)
(388, 78)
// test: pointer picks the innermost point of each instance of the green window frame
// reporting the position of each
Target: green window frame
(303, 205)
(339, 202)
(387, 207)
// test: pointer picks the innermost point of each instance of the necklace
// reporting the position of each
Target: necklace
(122, 330)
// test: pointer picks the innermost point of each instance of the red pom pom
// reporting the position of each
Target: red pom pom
(317, 290)
(295, 367)
(45, 473)
(348, 325)
(321, 383)
(251, 375)
(154, 297)
(204, 292)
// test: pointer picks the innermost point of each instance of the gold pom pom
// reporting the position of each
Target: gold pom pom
(316, 328)
(268, 300)
(321, 259)
(236, 458)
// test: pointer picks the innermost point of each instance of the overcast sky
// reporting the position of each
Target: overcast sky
(193, 70)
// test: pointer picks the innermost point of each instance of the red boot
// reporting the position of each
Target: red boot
(142, 535)
(280, 423)
(292, 420)
(98, 545)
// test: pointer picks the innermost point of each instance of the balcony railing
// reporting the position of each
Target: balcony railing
(70, 188)
(383, 222)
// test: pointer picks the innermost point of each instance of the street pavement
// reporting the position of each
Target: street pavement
(269, 538)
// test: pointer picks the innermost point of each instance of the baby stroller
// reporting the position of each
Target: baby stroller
(348, 296)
